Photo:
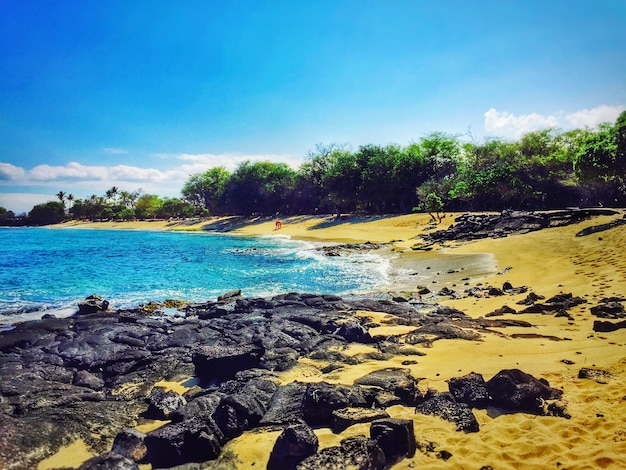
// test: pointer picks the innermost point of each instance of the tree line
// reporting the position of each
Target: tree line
(543, 169)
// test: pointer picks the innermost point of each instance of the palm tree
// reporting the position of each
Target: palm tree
(61, 196)
(112, 193)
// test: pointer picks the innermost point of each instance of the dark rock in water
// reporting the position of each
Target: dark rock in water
(230, 296)
(294, 444)
(470, 389)
(608, 326)
(319, 402)
(93, 304)
(446, 408)
(597, 375)
(193, 440)
(346, 417)
(221, 361)
(163, 404)
(131, 444)
(395, 437)
(516, 390)
(610, 310)
(398, 381)
(109, 461)
(354, 452)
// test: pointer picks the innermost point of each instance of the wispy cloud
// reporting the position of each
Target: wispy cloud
(115, 150)
(506, 124)
(595, 116)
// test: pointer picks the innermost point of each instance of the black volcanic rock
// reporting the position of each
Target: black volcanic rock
(294, 444)
(516, 390)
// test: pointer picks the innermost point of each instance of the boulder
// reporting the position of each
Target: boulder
(395, 437)
(346, 417)
(230, 296)
(223, 361)
(285, 407)
(192, 440)
(445, 407)
(597, 375)
(353, 332)
(354, 452)
(295, 443)
(319, 402)
(398, 381)
(516, 390)
(608, 326)
(92, 304)
(130, 443)
(470, 389)
(109, 461)
(610, 310)
(162, 404)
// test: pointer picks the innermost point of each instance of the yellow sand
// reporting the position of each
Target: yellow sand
(549, 261)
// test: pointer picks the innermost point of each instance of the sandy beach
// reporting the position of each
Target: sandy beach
(547, 262)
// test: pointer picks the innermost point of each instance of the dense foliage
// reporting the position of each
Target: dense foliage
(542, 170)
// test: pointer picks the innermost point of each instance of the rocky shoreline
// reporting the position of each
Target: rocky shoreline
(94, 374)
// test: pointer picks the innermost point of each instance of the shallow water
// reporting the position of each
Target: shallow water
(50, 270)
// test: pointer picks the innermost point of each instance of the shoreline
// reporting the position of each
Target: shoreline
(553, 347)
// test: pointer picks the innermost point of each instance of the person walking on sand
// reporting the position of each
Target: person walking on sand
(279, 225)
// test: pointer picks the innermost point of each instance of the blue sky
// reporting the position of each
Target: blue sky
(140, 94)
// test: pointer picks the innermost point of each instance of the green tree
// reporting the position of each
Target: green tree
(48, 213)
(261, 188)
(148, 206)
(61, 195)
(206, 190)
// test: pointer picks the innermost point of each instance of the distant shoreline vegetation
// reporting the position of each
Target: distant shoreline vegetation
(545, 169)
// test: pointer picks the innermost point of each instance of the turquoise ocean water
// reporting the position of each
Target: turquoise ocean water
(49, 270)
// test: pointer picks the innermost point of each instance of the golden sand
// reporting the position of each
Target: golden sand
(548, 262)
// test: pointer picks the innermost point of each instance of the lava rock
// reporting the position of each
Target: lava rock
(293, 445)
(398, 381)
(395, 437)
(221, 361)
(516, 390)
(354, 452)
(446, 408)
(109, 461)
(93, 304)
(319, 402)
(346, 417)
(131, 444)
(470, 389)
(193, 440)
(162, 404)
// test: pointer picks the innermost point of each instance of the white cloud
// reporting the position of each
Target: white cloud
(115, 150)
(20, 203)
(9, 172)
(505, 124)
(595, 116)
(509, 125)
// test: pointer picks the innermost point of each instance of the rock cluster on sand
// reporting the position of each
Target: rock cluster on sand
(477, 226)
(94, 374)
